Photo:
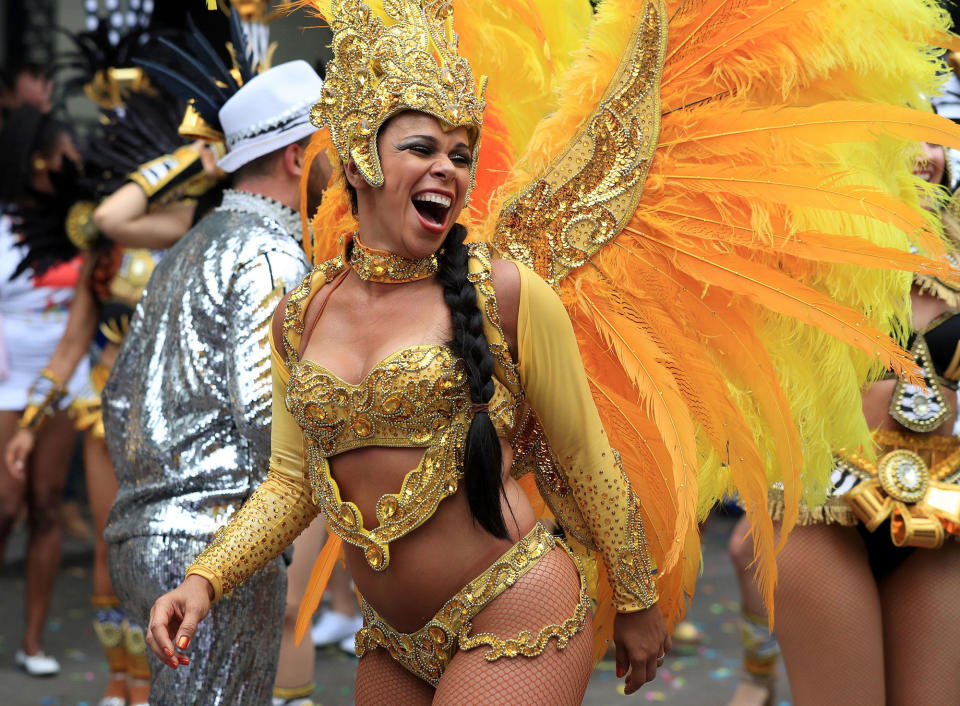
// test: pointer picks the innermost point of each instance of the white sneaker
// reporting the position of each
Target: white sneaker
(38, 665)
(348, 645)
(332, 627)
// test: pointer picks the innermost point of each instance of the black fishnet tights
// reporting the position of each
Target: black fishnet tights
(920, 627)
(547, 595)
(846, 639)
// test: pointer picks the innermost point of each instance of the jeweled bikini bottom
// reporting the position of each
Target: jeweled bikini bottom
(427, 651)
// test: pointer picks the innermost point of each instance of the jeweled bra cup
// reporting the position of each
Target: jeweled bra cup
(405, 401)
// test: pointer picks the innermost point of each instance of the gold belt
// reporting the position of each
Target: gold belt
(427, 651)
(905, 485)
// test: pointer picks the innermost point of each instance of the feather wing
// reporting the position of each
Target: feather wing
(742, 188)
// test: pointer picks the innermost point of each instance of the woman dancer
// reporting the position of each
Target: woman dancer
(350, 422)
(37, 280)
(863, 608)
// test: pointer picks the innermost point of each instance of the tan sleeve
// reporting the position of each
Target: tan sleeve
(556, 388)
(277, 511)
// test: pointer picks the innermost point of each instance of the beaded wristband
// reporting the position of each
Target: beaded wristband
(43, 400)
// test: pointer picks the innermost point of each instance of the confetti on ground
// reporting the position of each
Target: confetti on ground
(678, 682)
(716, 608)
(607, 665)
(656, 696)
(721, 673)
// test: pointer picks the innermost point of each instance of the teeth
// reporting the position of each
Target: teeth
(431, 197)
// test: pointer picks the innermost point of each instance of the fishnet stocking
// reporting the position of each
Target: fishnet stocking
(828, 618)
(547, 595)
(920, 627)
(381, 681)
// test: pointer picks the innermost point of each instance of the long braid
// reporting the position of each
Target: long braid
(482, 458)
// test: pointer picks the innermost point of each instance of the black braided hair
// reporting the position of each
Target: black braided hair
(482, 458)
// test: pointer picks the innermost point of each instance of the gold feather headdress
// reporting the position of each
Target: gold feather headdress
(379, 71)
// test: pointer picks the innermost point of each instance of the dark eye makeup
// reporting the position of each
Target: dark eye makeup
(426, 145)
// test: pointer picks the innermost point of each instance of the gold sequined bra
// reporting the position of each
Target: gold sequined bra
(417, 397)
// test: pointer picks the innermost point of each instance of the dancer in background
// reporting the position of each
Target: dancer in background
(135, 146)
(110, 287)
(39, 272)
(761, 652)
(864, 614)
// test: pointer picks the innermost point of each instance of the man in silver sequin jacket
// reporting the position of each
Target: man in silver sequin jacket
(187, 407)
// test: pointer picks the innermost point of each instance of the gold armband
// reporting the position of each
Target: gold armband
(172, 176)
(43, 400)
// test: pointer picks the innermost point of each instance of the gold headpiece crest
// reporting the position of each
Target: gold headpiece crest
(378, 71)
(110, 87)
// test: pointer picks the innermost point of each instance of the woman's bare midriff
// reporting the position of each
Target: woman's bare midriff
(434, 561)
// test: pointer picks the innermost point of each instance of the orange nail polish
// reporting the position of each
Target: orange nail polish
(168, 652)
(620, 672)
(183, 641)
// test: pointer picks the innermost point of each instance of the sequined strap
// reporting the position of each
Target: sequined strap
(298, 302)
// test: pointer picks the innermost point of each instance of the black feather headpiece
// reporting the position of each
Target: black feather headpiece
(196, 73)
(102, 65)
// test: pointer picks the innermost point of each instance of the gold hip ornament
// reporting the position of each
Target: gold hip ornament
(921, 509)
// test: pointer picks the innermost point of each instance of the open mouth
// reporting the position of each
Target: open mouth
(432, 208)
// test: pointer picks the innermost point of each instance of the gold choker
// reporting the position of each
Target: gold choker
(374, 265)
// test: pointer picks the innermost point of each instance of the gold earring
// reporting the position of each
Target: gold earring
(39, 164)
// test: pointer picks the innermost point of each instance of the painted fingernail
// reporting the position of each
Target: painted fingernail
(183, 641)
(184, 659)
(168, 652)
(173, 663)
(620, 671)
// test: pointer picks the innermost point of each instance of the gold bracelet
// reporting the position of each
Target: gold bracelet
(39, 409)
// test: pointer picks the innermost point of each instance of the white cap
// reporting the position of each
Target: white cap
(270, 111)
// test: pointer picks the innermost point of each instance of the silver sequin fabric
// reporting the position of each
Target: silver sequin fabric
(187, 406)
(233, 655)
(187, 418)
